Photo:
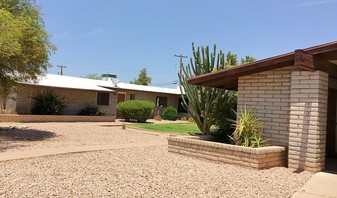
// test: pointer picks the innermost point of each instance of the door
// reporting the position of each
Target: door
(331, 123)
(120, 98)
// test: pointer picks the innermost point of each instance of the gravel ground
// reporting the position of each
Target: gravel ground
(59, 135)
(141, 172)
(132, 172)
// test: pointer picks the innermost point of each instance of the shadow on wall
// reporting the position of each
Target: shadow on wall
(13, 137)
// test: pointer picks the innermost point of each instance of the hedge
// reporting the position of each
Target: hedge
(170, 113)
(136, 110)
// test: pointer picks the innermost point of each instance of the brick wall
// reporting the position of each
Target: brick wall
(73, 98)
(308, 117)
(8, 106)
(269, 92)
(258, 158)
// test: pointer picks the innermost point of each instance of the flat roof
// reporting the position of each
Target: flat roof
(68, 82)
(321, 57)
(53, 80)
(133, 87)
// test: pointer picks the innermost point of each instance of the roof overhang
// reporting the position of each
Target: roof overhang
(321, 57)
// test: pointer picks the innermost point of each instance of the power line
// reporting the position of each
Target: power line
(61, 69)
(166, 83)
(181, 62)
(115, 70)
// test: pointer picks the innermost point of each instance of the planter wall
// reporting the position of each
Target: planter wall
(199, 146)
(54, 118)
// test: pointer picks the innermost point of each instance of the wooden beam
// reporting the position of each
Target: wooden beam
(327, 47)
(303, 60)
(322, 63)
(224, 82)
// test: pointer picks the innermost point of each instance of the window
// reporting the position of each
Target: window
(132, 96)
(103, 98)
(162, 101)
(181, 109)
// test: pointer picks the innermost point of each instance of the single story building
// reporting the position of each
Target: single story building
(295, 94)
(81, 92)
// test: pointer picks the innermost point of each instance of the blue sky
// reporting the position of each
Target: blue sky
(123, 36)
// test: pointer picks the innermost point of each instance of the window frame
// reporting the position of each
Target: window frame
(132, 96)
(103, 98)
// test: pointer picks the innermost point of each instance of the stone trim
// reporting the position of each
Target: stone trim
(54, 118)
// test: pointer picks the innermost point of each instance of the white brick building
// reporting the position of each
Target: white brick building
(295, 94)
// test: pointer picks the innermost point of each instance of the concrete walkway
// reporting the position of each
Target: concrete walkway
(58, 151)
(320, 185)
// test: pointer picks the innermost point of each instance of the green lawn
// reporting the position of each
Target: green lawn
(170, 128)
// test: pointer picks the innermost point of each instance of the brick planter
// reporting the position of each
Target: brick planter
(202, 147)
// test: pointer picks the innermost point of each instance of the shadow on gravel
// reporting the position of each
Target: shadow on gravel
(11, 138)
(7, 134)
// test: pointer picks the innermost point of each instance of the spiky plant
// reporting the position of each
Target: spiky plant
(248, 129)
(202, 101)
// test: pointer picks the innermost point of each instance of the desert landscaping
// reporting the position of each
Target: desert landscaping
(138, 170)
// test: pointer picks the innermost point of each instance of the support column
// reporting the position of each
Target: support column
(308, 117)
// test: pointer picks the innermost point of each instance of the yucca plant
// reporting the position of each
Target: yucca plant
(248, 129)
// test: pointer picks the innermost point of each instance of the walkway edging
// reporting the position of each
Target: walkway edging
(17, 155)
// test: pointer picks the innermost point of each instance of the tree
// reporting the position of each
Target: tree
(142, 79)
(24, 43)
(231, 59)
(94, 76)
(247, 59)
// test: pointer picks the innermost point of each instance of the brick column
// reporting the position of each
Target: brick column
(308, 117)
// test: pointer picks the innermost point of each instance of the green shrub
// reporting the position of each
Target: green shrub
(136, 110)
(48, 104)
(248, 129)
(183, 118)
(91, 111)
(170, 113)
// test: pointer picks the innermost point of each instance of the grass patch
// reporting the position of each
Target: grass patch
(191, 129)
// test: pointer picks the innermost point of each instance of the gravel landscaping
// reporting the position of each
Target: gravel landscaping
(132, 172)
(60, 135)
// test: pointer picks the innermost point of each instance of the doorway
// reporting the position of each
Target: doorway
(331, 146)
(120, 98)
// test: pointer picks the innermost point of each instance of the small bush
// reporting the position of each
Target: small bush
(138, 110)
(170, 113)
(48, 104)
(157, 118)
(248, 129)
(91, 111)
(190, 119)
(184, 118)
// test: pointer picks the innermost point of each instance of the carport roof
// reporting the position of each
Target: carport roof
(321, 57)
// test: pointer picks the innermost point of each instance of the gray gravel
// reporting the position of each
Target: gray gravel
(133, 172)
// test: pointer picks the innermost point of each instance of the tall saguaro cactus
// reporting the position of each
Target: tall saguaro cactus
(202, 101)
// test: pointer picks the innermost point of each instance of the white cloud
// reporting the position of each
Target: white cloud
(313, 3)
(96, 31)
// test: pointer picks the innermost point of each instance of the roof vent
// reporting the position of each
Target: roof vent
(110, 77)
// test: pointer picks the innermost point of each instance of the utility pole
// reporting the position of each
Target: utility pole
(61, 69)
(181, 62)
